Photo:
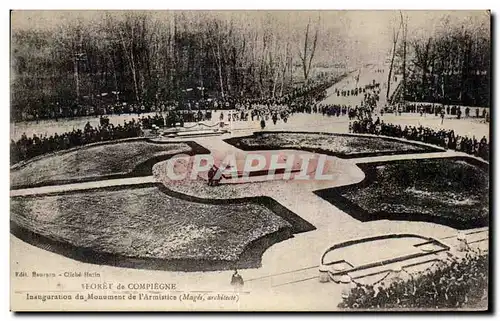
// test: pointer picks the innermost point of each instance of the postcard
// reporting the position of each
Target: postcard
(250, 160)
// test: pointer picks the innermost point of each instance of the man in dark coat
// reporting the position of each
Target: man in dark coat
(237, 280)
(212, 179)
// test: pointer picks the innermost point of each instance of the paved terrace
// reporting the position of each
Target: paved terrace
(289, 268)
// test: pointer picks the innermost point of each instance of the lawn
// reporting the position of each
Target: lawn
(449, 191)
(93, 162)
(145, 223)
(340, 145)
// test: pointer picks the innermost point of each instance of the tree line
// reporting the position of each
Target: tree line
(147, 57)
(450, 66)
(139, 57)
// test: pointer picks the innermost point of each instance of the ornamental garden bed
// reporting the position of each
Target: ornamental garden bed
(98, 161)
(142, 227)
(339, 145)
(450, 191)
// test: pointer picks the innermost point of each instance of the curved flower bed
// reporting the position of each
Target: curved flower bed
(97, 161)
(450, 191)
(140, 226)
(340, 145)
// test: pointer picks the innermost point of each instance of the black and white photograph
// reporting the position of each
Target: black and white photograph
(250, 160)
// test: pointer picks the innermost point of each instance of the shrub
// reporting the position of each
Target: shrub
(461, 284)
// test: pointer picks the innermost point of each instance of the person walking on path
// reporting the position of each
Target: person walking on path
(237, 281)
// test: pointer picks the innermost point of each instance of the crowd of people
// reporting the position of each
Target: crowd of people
(371, 95)
(438, 109)
(367, 90)
(461, 283)
(443, 138)
(29, 147)
(305, 94)
(179, 118)
(167, 115)
(304, 99)
(174, 118)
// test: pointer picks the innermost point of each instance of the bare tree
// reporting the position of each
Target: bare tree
(395, 36)
(404, 25)
(128, 48)
(423, 61)
(215, 46)
(285, 61)
(309, 50)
